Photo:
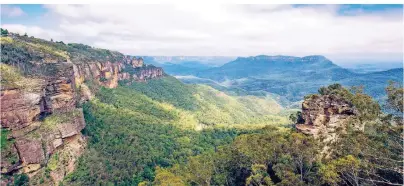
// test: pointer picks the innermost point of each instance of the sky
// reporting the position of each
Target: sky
(342, 33)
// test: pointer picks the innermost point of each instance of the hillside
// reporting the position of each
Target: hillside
(211, 107)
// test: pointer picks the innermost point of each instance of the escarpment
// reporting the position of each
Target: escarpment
(108, 74)
(41, 94)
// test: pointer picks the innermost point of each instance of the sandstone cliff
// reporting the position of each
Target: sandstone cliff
(109, 74)
(41, 121)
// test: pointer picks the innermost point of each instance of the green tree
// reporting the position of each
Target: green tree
(21, 180)
(296, 117)
(166, 178)
(199, 169)
(343, 170)
(4, 32)
(259, 176)
(395, 97)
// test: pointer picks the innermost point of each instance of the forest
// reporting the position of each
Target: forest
(129, 131)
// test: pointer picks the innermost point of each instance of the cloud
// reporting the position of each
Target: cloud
(11, 11)
(227, 30)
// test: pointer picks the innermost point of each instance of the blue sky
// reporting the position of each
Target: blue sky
(343, 33)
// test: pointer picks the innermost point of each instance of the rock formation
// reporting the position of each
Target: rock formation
(43, 122)
(109, 74)
(40, 120)
(324, 116)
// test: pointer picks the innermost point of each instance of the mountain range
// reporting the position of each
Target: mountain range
(286, 76)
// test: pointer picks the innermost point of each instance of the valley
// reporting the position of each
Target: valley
(73, 114)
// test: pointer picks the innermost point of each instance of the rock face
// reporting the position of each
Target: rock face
(326, 115)
(137, 62)
(39, 121)
(43, 125)
(148, 73)
(43, 86)
(109, 74)
(19, 109)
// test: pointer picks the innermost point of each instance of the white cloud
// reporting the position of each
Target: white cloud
(227, 30)
(11, 11)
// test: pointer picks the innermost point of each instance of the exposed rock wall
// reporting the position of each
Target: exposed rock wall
(327, 115)
(39, 121)
(109, 74)
(43, 125)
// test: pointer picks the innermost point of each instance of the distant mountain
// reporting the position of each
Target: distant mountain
(292, 77)
(273, 67)
(372, 67)
(211, 60)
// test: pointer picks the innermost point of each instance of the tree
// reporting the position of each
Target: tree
(25, 35)
(166, 178)
(375, 155)
(4, 32)
(21, 180)
(200, 169)
(259, 176)
(298, 158)
(296, 117)
(345, 170)
(395, 97)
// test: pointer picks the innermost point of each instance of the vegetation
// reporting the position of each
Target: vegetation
(168, 90)
(210, 107)
(370, 157)
(21, 180)
(124, 139)
(3, 138)
(148, 125)
(4, 32)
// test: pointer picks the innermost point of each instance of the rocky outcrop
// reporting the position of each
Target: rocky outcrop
(137, 62)
(109, 74)
(148, 73)
(325, 116)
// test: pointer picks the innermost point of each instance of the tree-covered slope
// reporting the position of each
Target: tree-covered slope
(369, 156)
(134, 128)
(211, 107)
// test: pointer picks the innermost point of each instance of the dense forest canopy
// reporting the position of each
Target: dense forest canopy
(142, 141)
